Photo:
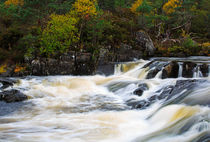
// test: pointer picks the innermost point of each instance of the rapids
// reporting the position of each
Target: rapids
(109, 109)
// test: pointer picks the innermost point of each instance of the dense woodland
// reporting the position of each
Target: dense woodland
(48, 28)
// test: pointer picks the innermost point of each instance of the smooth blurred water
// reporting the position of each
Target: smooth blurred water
(94, 109)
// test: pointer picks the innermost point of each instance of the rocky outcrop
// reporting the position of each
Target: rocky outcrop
(155, 67)
(5, 82)
(12, 96)
(144, 41)
(171, 94)
(171, 70)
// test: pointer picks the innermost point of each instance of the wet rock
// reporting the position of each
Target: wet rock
(134, 104)
(205, 70)
(165, 92)
(142, 104)
(12, 96)
(188, 69)
(171, 70)
(174, 94)
(153, 99)
(106, 69)
(141, 89)
(144, 41)
(6, 82)
(155, 68)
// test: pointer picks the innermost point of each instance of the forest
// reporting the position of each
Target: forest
(49, 28)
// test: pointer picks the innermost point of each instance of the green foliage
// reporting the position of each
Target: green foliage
(176, 49)
(59, 35)
(189, 43)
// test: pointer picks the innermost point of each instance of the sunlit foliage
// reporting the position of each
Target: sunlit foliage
(85, 8)
(60, 34)
(14, 2)
(135, 5)
(170, 6)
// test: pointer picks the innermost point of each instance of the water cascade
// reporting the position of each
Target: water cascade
(180, 69)
(159, 100)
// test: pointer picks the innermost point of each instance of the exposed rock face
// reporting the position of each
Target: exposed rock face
(171, 70)
(188, 69)
(67, 64)
(205, 70)
(12, 96)
(144, 41)
(155, 67)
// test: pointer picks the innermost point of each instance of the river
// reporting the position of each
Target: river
(128, 106)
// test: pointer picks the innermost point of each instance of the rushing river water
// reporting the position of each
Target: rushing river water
(111, 109)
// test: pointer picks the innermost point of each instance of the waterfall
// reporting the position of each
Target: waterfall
(180, 69)
(159, 74)
(197, 72)
(118, 69)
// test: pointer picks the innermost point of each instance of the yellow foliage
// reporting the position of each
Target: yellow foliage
(170, 6)
(85, 8)
(3, 68)
(206, 44)
(136, 5)
(14, 2)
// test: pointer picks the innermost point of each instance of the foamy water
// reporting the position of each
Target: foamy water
(94, 109)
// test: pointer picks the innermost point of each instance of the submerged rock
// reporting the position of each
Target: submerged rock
(12, 96)
(141, 88)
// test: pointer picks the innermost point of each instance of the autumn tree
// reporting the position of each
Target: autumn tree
(85, 8)
(135, 5)
(60, 34)
(171, 5)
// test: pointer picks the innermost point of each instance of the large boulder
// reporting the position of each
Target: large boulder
(12, 96)
(144, 41)
(171, 70)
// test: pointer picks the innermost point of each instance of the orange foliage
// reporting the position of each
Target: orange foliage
(19, 68)
(14, 2)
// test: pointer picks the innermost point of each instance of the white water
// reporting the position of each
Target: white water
(84, 109)
(180, 69)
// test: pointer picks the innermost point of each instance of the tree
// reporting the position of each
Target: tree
(85, 8)
(60, 34)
